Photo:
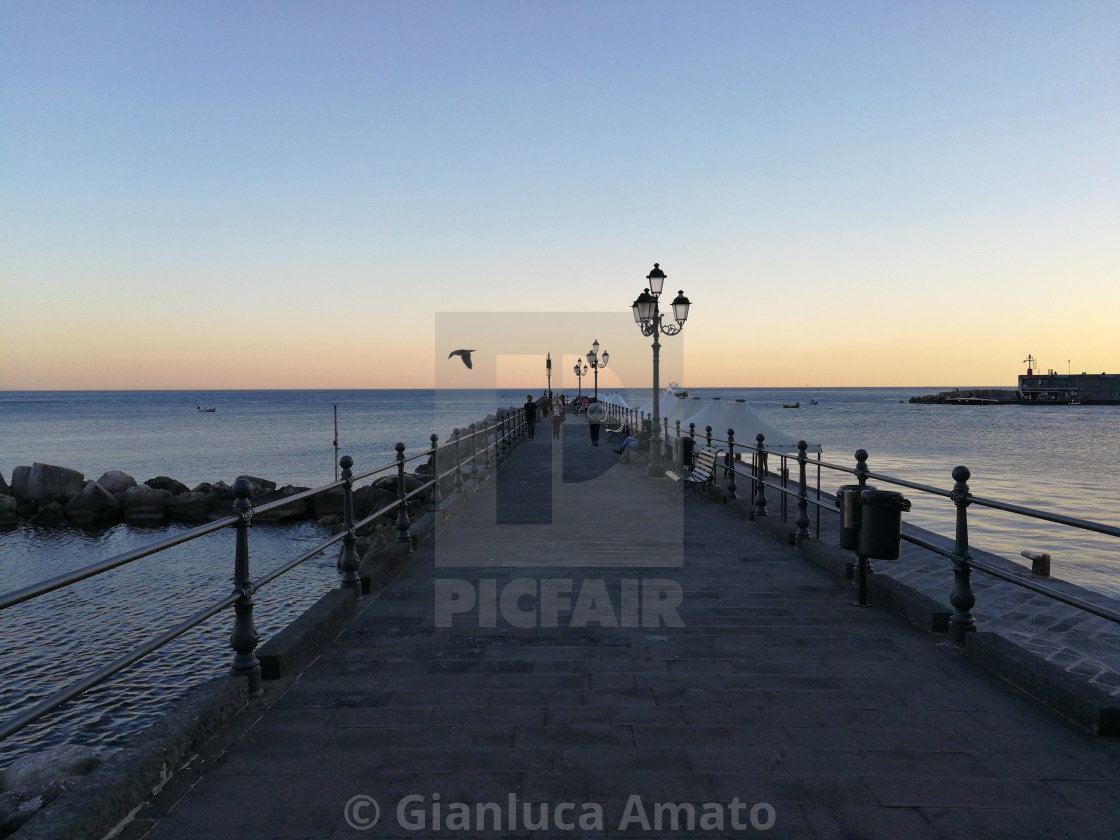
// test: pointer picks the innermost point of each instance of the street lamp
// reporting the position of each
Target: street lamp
(548, 370)
(650, 320)
(597, 363)
(581, 371)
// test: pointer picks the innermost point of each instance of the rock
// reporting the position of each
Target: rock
(260, 485)
(162, 482)
(296, 510)
(9, 509)
(36, 771)
(370, 498)
(328, 504)
(191, 506)
(389, 483)
(144, 504)
(52, 513)
(221, 490)
(93, 503)
(5, 490)
(116, 482)
(44, 482)
(204, 487)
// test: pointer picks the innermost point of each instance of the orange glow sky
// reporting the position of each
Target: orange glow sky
(262, 195)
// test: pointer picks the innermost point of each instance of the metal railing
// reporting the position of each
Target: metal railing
(962, 598)
(476, 451)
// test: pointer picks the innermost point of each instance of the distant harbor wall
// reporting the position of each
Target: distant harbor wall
(1050, 388)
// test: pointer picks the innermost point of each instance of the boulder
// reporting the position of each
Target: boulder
(93, 503)
(116, 482)
(144, 504)
(221, 490)
(295, 510)
(370, 498)
(5, 490)
(191, 506)
(389, 483)
(204, 487)
(44, 482)
(328, 504)
(9, 510)
(162, 482)
(260, 485)
(52, 513)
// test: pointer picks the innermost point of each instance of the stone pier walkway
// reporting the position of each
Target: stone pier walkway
(575, 635)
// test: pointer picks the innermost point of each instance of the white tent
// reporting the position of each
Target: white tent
(740, 417)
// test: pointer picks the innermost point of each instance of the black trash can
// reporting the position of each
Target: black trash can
(847, 499)
(881, 523)
(687, 446)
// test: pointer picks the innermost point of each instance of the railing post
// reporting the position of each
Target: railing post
(403, 523)
(692, 431)
(244, 637)
(861, 468)
(474, 455)
(802, 493)
(348, 559)
(760, 476)
(458, 463)
(708, 432)
(486, 445)
(437, 494)
(731, 488)
(962, 622)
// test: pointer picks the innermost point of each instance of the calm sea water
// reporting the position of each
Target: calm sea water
(1062, 458)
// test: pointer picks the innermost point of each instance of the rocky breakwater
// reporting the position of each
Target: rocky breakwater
(45, 494)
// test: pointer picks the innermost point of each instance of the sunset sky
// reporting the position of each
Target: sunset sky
(331, 194)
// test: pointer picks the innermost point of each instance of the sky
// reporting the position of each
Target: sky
(207, 195)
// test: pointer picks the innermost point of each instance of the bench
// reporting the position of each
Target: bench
(699, 475)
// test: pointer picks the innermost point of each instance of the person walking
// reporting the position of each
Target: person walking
(557, 418)
(531, 416)
(595, 416)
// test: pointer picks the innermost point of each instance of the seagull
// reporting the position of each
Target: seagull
(465, 354)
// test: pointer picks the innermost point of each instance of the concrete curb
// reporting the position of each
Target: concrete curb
(303, 639)
(99, 802)
(1085, 704)
(1064, 692)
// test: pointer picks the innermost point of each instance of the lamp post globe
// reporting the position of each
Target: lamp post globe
(597, 362)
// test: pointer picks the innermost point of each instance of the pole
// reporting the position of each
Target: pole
(336, 441)
(655, 437)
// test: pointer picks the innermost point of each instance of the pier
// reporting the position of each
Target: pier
(575, 651)
(772, 699)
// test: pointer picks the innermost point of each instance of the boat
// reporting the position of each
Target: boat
(675, 390)
(791, 405)
(206, 410)
(812, 402)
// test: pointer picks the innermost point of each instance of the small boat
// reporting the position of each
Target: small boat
(675, 390)
(207, 410)
(791, 405)
(812, 402)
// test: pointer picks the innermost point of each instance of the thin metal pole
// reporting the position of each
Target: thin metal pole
(655, 470)
(437, 494)
(336, 441)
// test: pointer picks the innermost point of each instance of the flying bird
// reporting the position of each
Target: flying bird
(465, 354)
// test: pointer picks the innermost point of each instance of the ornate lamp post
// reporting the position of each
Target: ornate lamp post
(548, 370)
(596, 362)
(650, 320)
(581, 371)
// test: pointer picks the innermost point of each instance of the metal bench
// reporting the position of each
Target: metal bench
(699, 475)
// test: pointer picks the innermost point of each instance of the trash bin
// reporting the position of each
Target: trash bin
(847, 499)
(881, 523)
(687, 445)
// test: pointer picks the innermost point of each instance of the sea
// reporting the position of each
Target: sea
(1062, 459)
